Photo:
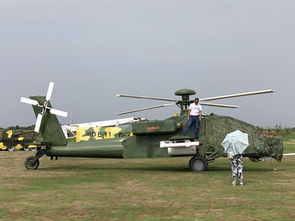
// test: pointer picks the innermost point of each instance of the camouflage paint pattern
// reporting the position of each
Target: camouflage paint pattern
(147, 136)
(214, 128)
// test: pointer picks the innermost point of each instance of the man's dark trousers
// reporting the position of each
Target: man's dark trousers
(193, 120)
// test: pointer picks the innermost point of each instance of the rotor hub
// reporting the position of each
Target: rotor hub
(185, 93)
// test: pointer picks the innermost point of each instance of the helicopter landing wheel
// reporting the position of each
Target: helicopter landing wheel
(31, 163)
(10, 148)
(198, 164)
(26, 148)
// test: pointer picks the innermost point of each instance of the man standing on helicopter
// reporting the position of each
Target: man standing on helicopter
(194, 116)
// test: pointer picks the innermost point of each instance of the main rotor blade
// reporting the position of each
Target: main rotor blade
(146, 108)
(219, 105)
(145, 97)
(29, 101)
(58, 112)
(38, 123)
(289, 154)
(237, 95)
(49, 91)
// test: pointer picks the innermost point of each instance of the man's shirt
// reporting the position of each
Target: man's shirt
(195, 109)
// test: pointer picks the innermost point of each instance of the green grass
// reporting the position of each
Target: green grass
(144, 189)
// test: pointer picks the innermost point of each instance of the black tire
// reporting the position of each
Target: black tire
(32, 163)
(253, 159)
(198, 164)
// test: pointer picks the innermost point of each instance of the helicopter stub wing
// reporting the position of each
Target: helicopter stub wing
(181, 148)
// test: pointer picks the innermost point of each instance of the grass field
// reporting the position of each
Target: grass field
(144, 189)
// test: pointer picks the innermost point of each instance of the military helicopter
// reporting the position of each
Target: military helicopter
(157, 138)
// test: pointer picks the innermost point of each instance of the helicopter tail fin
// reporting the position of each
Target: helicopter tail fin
(50, 128)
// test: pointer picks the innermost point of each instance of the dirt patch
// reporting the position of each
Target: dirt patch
(289, 142)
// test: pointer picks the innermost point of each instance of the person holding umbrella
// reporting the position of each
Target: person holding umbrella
(237, 166)
(234, 145)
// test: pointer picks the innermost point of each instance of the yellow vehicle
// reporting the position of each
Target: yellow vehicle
(11, 140)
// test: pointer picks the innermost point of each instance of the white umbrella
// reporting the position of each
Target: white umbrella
(235, 142)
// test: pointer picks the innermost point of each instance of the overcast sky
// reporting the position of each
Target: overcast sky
(94, 49)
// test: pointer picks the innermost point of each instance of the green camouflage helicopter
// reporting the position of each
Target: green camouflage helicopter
(158, 138)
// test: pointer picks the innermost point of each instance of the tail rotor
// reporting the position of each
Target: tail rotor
(45, 107)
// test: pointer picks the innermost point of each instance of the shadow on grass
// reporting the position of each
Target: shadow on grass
(119, 168)
(176, 169)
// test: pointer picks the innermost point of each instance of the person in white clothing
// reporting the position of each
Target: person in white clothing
(194, 116)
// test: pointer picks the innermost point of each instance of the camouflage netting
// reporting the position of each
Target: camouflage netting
(214, 129)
